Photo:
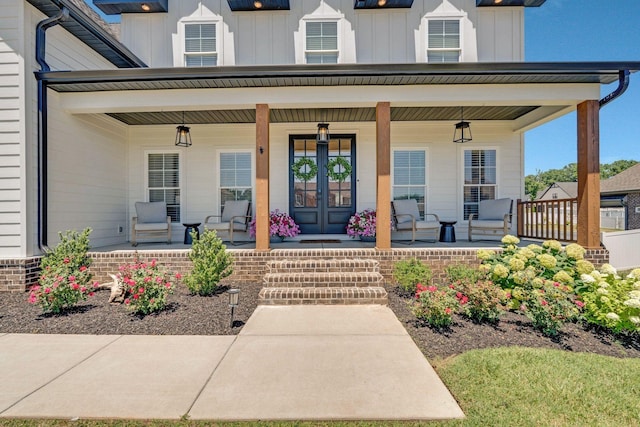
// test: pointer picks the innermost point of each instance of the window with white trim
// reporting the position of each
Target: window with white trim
(321, 45)
(200, 45)
(163, 181)
(480, 179)
(235, 176)
(410, 177)
(443, 40)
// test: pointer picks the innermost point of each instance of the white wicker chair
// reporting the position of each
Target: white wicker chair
(406, 216)
(236, 216)
(493, 217)
(151, 220)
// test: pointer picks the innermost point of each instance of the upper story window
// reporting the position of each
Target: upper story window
(321, 42)
(443, 40)
(200, 45)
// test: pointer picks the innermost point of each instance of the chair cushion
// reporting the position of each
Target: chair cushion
(235, 208)
(427, 225)
(494, 209)
(151, 212)
(488, 223)
(154, 226)
(404, 208)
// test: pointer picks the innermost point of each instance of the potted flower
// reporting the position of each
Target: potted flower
(281, 225)
(363, 225)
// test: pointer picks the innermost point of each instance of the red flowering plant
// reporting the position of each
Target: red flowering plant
(146, 285)
(435, 306)
(280, 225)
(65, 278)
(481, 300)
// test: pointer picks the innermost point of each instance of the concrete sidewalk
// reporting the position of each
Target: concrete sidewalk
(288, 363)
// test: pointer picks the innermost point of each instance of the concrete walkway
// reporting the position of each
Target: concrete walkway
(288, 363)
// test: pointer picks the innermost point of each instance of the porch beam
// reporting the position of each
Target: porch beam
(589, 174)
(262, 177)
(383, 175)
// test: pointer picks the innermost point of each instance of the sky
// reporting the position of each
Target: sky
(583, 30)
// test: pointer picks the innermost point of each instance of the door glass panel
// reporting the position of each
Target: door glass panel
(305, 192)
(339, 194)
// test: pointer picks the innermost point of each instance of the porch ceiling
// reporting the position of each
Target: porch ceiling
(297, 115)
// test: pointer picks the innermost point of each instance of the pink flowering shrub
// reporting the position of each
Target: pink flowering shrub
(65, 277)
(480, 301)
(362, 224)
(280, 224)
(435, 306)
(147, 286)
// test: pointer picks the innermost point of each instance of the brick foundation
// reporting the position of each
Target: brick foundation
(18, 274)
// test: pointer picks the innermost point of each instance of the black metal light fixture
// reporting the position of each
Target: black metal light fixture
(183, 136)
(323, 133)
(234, 296)
(462, 132)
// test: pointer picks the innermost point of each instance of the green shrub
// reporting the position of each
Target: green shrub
(434, 306)
(211, 263)
(548, 306)
(146, 285)
(464, 273)
(408, 273)
(612, 301)
(64, 278)
(481, 301)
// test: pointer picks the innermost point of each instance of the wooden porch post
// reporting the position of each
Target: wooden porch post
(589, 174)
(383, 175)
(262, 177)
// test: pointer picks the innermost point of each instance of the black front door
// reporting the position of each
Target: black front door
(322, 202)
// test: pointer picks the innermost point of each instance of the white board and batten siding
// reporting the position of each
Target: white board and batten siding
(365, 36)
(18, 126)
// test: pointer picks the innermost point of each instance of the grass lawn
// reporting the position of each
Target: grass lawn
(514, 386)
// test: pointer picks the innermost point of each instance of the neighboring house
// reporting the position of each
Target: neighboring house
(623, 190)
(560, 190)
(93, 132)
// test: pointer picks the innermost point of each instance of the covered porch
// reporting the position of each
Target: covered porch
(257, 110)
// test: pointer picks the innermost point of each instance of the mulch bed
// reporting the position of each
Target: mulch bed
(193, 315)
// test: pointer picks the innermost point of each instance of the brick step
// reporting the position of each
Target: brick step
(322, 279)
(323, 265)
(318, 296)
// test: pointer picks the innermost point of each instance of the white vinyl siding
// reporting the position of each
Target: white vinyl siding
(410, 176)
(443, 40)
(163, 181)
(321, 42)
(200, 45)
(480, 179)
(235, 176)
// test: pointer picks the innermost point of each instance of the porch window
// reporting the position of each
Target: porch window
(322, 42)
(235, 176)
(443, 40)
(410, 177)
(163, 181)
(480, 179)
(200, 45)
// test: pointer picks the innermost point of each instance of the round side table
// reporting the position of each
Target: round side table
(447, 231)
(188, 228)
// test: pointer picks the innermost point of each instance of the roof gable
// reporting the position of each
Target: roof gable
(627, 180)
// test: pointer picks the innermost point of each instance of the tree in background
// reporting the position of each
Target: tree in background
(533, 184)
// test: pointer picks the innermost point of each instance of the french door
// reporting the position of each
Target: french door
(321, 191)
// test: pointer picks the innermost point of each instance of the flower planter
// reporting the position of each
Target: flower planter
(276, 239)
(368, 238)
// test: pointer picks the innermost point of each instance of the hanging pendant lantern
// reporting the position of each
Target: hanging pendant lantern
(462, 132)
(183, 135)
